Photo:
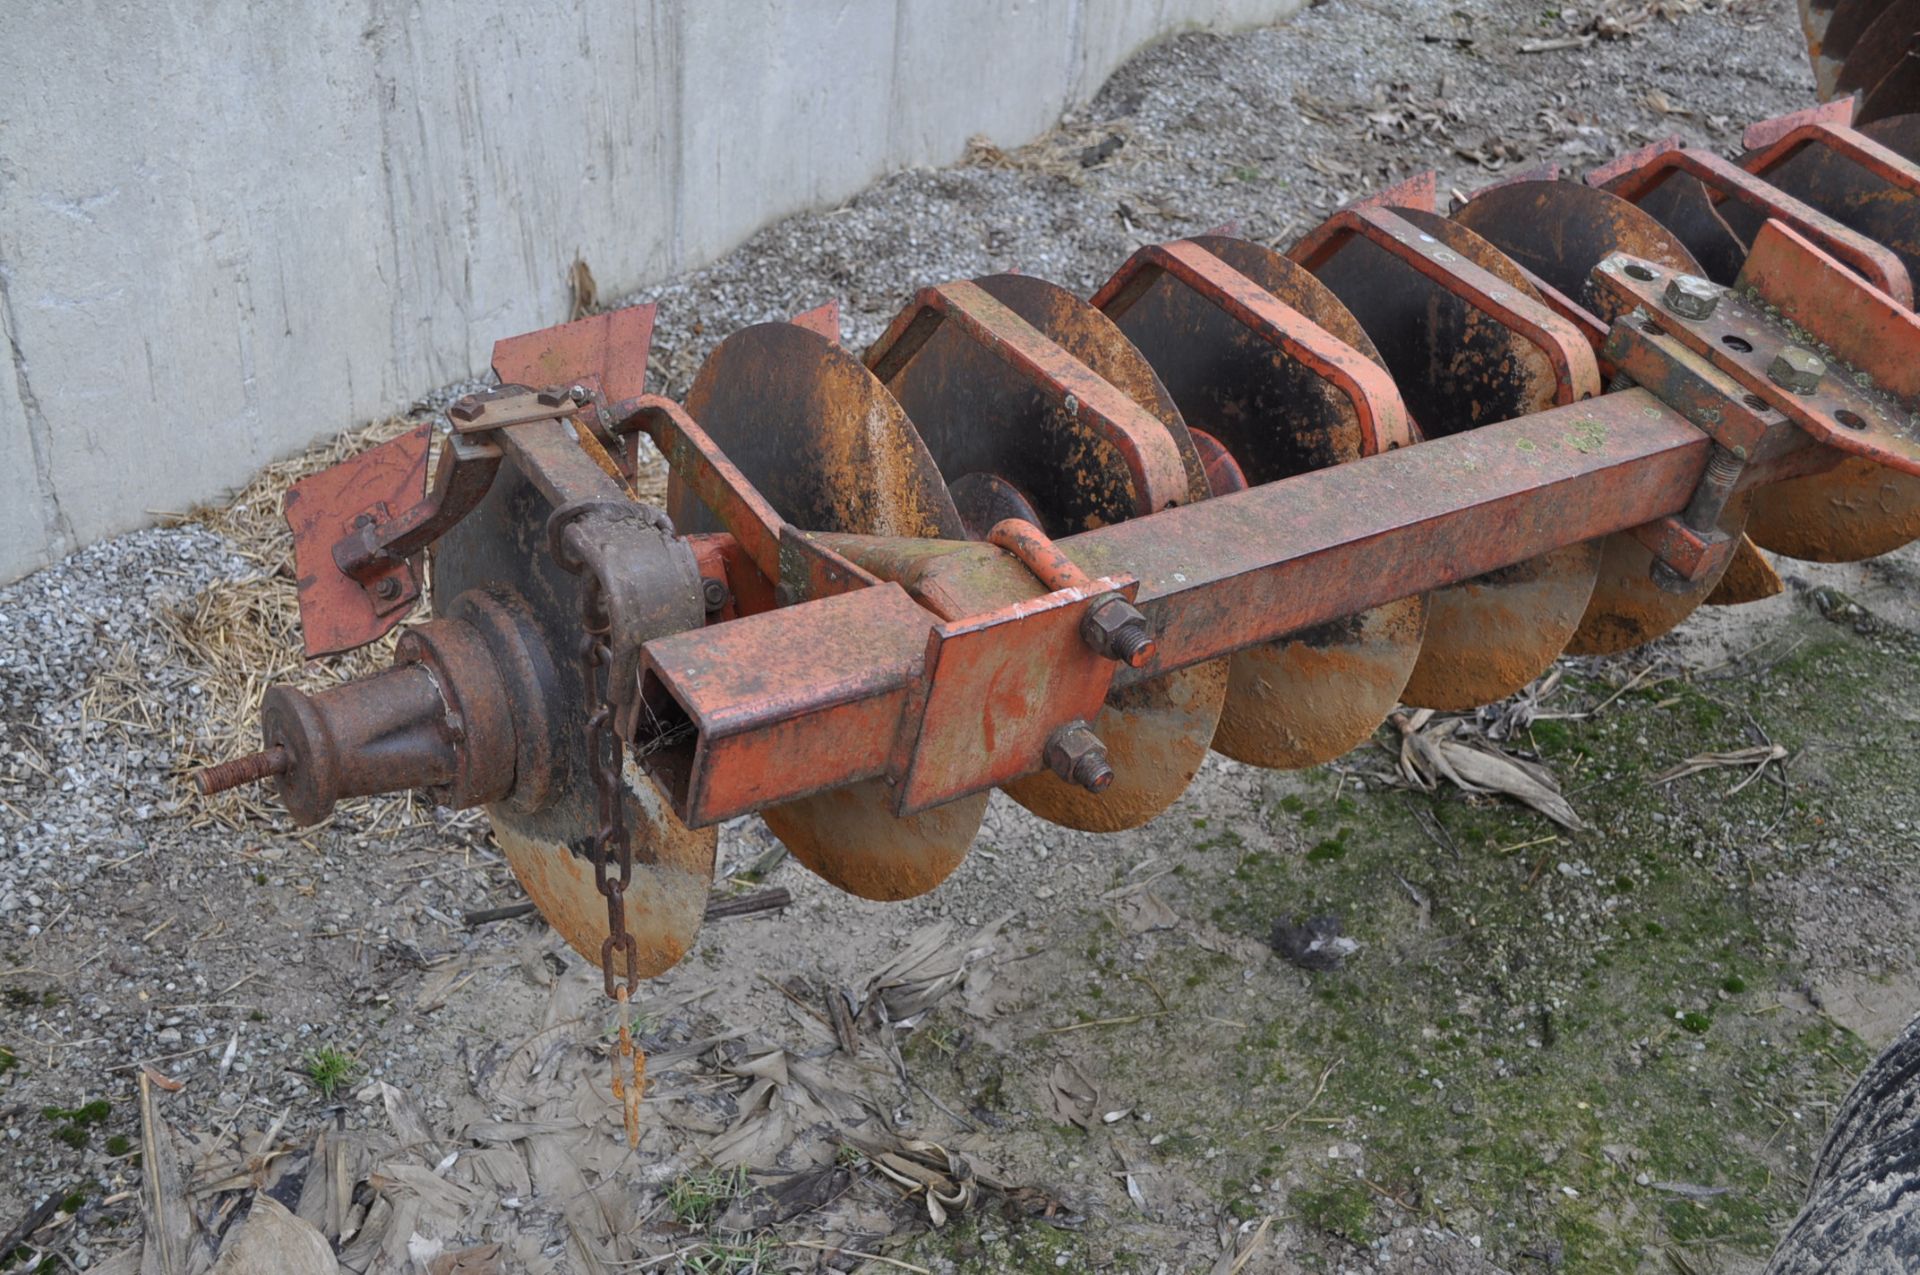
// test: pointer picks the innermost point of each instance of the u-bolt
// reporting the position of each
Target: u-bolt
(1112, 626)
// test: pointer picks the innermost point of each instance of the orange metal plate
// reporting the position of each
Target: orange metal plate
(337, 612)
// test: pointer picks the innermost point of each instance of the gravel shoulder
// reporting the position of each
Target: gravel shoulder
(1610, 1050)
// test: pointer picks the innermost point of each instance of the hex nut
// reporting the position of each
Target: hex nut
(1116, 629)
(1691, 297)
(1796, 369)
(1076, 754)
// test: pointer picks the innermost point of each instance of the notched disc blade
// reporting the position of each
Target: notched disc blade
(1312, 696)
(830, 449)
(979, 417)
(1853, 511)
(1561, 231)
(1457, 369)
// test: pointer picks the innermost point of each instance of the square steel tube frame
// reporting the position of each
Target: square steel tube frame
(1214, 577)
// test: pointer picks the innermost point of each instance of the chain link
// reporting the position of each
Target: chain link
(612, 850)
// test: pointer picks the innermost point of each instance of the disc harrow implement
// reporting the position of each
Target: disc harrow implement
(1239, 500)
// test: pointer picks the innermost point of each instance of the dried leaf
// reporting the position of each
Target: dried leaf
(272, 1239)
(174, 1244)
(1075, 1098)
(1759, 757)
(1430, 753)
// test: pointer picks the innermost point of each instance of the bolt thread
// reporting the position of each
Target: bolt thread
(1621, 381)
(1093, 772)
(243, 770)
(1133, 645)
(1723, 467)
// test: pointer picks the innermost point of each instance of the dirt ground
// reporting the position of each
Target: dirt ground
(1613, 1049)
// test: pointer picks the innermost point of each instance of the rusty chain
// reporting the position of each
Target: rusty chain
(612, 849)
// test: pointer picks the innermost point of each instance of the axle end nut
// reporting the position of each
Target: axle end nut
(1797, 370)
(1691, 297)
(1076, 754)
(1116, 629)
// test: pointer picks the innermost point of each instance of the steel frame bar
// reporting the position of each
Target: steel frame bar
(1214, 577)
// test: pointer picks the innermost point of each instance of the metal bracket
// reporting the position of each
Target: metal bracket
(1799, 334)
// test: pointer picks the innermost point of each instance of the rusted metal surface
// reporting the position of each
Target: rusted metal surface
(1235, 571)
(1748, 578)
(813, 439)
(1022, 380)
(606, 353)
(438, 720)
(1468, 344)
(1558, 232)
(1878, 66)
(817, 436)
(1848, 175)
(1263, 360)
(1870, 502)
(823, 320)
(1863, 401)
(337, 612)
(499, 549)
(989, 392)
(1700, 196)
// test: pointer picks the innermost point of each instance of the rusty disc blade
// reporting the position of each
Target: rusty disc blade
(816, 435)
(1833, 28)
(1628, 609)
(1873, 66)
(1456, 368)
(1850, 194)
(1560, 231)
(831, 450)
(1854, 511)
(978, 417)
(1898, 133)
(547, 847)
(1312, 696)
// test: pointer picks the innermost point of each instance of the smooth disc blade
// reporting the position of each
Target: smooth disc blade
(1312, 696)
(1560, 231)
(978, 416)
(1487, 637)
(1853, 511)
(831, 450)
(1749, 578)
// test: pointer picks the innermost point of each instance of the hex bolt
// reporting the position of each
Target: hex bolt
(1691, 297)
(578, 393)
(466, 408)
(387, 589)
(716, 593)
(1796, 369)
(1076, 754)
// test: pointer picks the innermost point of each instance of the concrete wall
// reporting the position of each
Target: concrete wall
(230, 227)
